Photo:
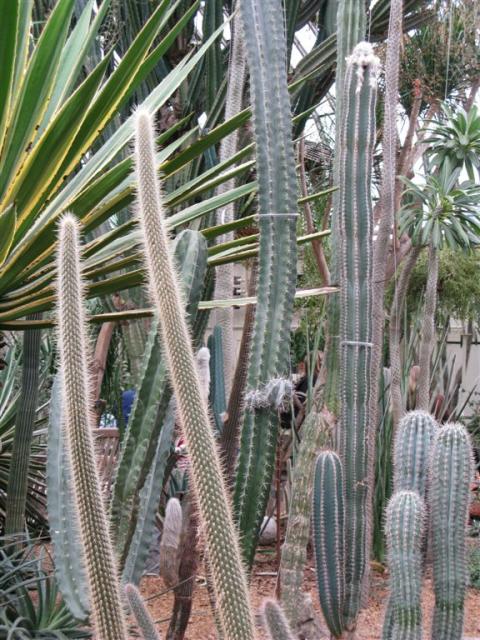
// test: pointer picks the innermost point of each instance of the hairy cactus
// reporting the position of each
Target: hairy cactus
(356, 233)
(141, 613)
(328, 538)
(451, 471)
(102, 574)
(169, 543)
(404, 529)
(275, 621)
(412, 452)
(229, 580)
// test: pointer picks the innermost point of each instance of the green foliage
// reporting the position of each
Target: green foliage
(474, 567)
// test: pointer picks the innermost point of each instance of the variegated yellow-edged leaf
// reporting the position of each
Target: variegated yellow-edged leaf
(7, 231)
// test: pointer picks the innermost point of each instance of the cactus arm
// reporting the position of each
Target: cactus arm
(275, 621)
(328, 538)
(62, 518)
(356, 229)
(264, 40)
(105, 598)
(412, 449)
(141, 613)
(222, 546)
(451, 471)
(404, 529)
(217, 390)
(17, 487)
(148, 501)
(152, 400)
(170, 541)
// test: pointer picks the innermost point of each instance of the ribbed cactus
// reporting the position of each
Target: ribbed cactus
(264, 38)
(328, 538)
(141, 613)
(404, 529)
(275, 622)
(356, 234)
(412, 450)
(223, 550)
(102, 574)
(170, 541)
(451, 471)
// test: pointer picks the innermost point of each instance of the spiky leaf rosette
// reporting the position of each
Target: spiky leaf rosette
(451, 471)
(105, 599)
(404, 529)
(229, 581)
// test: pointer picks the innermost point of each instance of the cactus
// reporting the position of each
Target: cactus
(275, 622)
(141, 613)
(264, 38)
(356, 227)
(412, 452)
(217, 390)
(451, 471)
(223, 550)
(172, 529)
(328, 538)
(105, 598)
(404, 529)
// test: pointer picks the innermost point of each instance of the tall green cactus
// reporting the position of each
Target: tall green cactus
(275, 621)
(223, 550)
(105, 598)
(328, 538)
(264, 38)
(412, 450)
(356, 234)
(404, 529)
(451, 471)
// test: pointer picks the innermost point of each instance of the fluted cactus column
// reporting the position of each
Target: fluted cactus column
(451, 471)
(275, 621)
(356, 228)
(404, 529)
(264, 39)
(412, 449)
(102, 573)
(229, 580)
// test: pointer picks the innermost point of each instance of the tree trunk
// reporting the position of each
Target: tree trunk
(428, 330)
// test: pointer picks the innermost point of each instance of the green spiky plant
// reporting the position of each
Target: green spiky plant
(404, 529)
(229, 580)
(329, 539)
(451, 471)
(412, 450)
(356, 234)
(142, 615)
(101, 568)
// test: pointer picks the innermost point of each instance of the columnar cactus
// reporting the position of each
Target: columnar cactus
(451, 471)
(141, 613)
(264, 38)
(275, 621)
(412, 452)
(404, 529)
(102, 574)
(223, 550)
(328, 538)
(356, 228)
(170, 541)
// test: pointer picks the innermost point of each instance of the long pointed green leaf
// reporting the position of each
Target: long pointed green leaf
(7, 231)
(9, 32)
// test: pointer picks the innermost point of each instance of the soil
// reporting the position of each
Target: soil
(201, 625)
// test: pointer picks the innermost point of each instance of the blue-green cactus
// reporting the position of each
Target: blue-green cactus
(412, 450)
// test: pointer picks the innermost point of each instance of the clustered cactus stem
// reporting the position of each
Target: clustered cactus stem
(356, 235)
(412, 450)
(141, 613)
(105, 598)
(275, 621)
(229, 580)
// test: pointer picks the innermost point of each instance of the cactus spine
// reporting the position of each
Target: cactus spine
(275, 621)
(264, 38)
(451, 471)
(412, 452)
(404, 529)
(329, 541)
(105, 598)
(229, 580)
(170, 541)
(141, 613)
(358, 138)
